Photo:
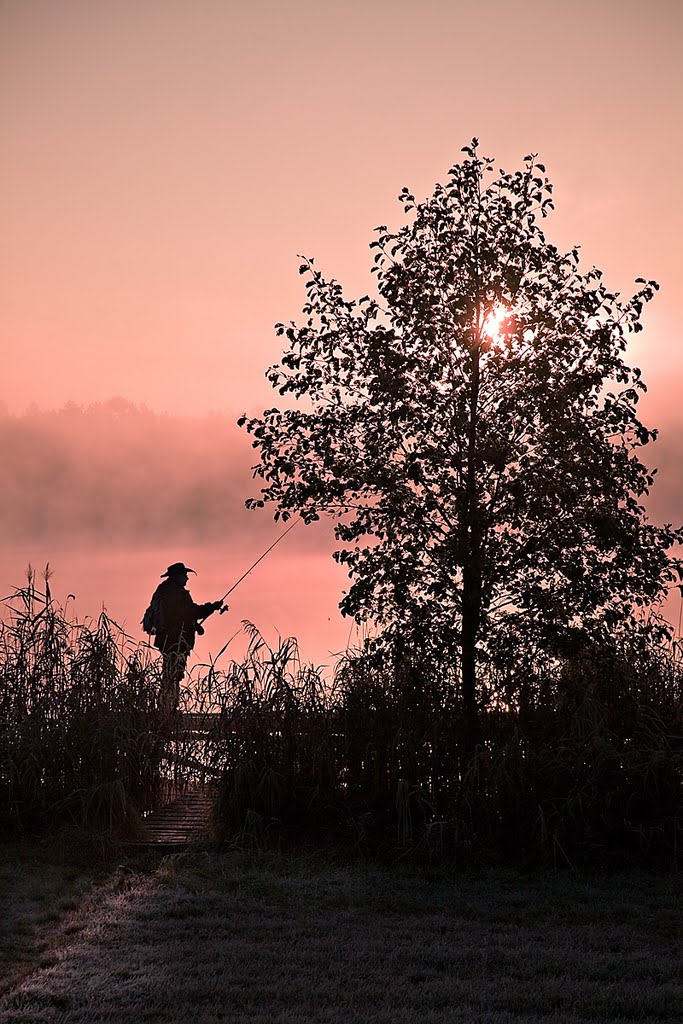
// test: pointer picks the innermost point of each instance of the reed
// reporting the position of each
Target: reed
(277, 746)
(579, 762)
(77, 737)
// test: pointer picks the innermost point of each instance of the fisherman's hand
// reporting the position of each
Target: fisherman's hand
(217, 606)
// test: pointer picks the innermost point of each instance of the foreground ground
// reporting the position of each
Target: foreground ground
(207, 938)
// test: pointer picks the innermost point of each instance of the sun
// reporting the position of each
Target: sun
(501, 327)
(493, 322)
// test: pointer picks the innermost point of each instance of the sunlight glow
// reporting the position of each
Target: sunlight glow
(493, 321)
(500, 327)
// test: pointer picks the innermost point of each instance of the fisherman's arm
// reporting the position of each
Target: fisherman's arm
(202, 611)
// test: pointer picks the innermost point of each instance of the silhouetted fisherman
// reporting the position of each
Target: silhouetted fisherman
(174, 620)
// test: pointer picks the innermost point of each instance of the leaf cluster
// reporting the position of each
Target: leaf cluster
(473, 428)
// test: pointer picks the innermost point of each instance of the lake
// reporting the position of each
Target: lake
(290, 593)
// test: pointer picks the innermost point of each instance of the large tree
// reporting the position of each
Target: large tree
(472, 429)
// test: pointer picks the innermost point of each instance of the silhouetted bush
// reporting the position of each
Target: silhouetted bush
(581, 766)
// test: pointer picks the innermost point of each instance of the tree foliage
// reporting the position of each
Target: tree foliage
(473, 429)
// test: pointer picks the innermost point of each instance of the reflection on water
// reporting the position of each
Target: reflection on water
(290, 594)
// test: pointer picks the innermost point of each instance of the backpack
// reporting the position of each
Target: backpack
(151, 620)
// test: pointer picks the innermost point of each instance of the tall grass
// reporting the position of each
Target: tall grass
(579, 761)
(276, 744)
(78, 742)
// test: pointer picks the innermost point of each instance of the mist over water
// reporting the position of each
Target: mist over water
(116, 473)
(111, 494)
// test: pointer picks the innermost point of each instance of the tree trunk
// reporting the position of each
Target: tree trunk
(471, 616)
(471, 574)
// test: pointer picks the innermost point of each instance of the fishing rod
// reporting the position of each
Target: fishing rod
(259, 559)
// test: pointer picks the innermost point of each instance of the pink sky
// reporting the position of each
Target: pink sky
(163, 162)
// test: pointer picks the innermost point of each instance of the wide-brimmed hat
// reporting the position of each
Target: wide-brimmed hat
(176, 569)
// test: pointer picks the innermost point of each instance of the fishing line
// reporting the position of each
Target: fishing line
(259, 559)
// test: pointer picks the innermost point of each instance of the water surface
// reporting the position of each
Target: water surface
(293, 594)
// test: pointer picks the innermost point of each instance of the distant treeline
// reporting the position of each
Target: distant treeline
(119, 472)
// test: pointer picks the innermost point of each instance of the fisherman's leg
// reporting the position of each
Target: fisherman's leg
(180, 666)
(172, 673)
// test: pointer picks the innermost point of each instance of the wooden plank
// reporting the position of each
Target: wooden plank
(190, 763)
(198, 721)
(183, 821)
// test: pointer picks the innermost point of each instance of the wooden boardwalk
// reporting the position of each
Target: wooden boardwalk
(183, 821)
